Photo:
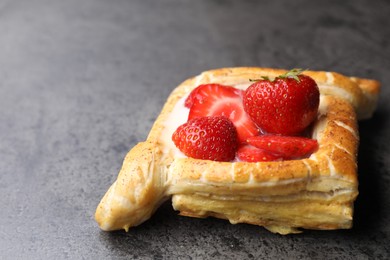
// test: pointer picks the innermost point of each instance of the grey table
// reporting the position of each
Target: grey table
(81, 82)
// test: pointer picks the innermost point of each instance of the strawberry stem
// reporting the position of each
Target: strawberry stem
(262, 78)
(294, 73)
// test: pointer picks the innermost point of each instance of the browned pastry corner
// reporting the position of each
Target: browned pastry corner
(313, 193)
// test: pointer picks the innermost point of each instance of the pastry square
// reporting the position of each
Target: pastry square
(283, 196)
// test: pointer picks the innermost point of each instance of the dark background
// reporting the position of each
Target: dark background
(81, 82)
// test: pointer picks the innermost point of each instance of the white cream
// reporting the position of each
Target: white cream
(176, 118)
(243, 86)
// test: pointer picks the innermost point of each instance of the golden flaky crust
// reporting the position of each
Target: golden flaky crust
(314, 193)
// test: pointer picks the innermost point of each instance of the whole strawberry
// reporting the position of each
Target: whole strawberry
(286, 105)
(208, 138)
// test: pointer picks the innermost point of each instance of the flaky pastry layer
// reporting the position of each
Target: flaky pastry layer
(314, 193)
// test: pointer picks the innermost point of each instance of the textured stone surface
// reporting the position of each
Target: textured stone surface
(81, 82)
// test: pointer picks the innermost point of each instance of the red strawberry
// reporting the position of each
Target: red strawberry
(208, 138)
(219, 100)
(249, 153)
(194, 94)
(286, 105)
(289, 147)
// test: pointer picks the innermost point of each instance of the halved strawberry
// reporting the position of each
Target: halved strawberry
(208, 138)
(249, 153)
(193, 95)
(289, 147)
(219, 100)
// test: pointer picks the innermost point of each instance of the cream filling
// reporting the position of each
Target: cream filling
(177, 117)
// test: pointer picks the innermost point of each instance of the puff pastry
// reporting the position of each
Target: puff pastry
(285, 196)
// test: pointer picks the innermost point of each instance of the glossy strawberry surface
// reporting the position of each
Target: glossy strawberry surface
(286, 105)
(249, 153)
(288, 147)
(220, 100)
(208, 138)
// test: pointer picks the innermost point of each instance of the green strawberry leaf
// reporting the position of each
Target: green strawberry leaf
(294, 73)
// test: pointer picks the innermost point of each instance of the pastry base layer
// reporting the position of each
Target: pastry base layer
(282, 217)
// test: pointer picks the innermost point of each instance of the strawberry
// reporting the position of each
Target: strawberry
(289, 147)
(194, 93)
(220, 100)
(208, 138)
(286, 105)
(249, 153)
